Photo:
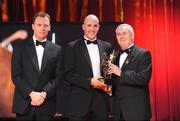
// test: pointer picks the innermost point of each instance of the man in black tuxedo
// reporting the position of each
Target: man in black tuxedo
(132, 73)
(36, 73)
(82, 71)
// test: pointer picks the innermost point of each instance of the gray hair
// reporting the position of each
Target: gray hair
(129, 28)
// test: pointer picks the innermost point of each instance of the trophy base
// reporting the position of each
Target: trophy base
(108, 88)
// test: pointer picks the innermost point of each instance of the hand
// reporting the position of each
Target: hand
(96, 83)
(37, 98)
(43, 94)
(113, 69)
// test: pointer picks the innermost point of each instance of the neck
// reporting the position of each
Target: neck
(90, 38)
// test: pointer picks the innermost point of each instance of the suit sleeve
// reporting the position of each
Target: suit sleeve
(70, 70)
(21, 85)
(142, 75)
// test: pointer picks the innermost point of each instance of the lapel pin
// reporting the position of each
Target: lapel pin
(127, 61)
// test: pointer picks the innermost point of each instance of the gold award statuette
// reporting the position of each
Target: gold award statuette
(105, 64)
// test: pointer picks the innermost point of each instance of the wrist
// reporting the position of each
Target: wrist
(119, 73)
(31, 93)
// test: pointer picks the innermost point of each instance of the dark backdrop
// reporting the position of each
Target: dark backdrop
(65, 32)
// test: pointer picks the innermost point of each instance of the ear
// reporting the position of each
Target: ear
(32, 26)
(49, 28)
(83, 28)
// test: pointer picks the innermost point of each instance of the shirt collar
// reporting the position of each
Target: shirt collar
(34, 39)
(89, 39)
(131, 45)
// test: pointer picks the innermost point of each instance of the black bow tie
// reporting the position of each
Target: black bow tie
(127, 50)
(93, 42)
(41, 43)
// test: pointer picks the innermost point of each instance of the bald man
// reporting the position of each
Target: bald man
(82, 70)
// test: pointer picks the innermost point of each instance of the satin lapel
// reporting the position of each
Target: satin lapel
(117, 57)
(32, 53)
(128, 59)
(84, 50)
(46, 55)
(101, 49)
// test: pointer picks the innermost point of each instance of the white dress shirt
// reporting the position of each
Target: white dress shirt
(94, 54)
(123, 57)
(39, 52)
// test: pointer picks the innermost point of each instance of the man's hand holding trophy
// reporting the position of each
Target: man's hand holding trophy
(106, 62)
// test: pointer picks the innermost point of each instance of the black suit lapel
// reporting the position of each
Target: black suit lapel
(128, 59)
(32, 53)
(46, 56)
(117, 57)
(101, 49)
(85, 52)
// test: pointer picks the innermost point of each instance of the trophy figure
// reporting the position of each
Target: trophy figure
(107, 60)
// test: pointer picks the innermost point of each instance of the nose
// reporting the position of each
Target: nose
(92, 28)
(121, 36)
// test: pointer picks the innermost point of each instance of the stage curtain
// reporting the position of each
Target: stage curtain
(156, 24)
(60, 10)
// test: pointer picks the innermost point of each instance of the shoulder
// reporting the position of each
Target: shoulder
(142, 51)
(53, 45)
(19, 44)
(104, 42)
(76, 42)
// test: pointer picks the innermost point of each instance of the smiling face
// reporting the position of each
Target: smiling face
(91, 27)
(41, 27)
(124, 36)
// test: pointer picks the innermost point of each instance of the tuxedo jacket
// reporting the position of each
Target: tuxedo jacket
(131, 89)
(27, 77)
(78, 72)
